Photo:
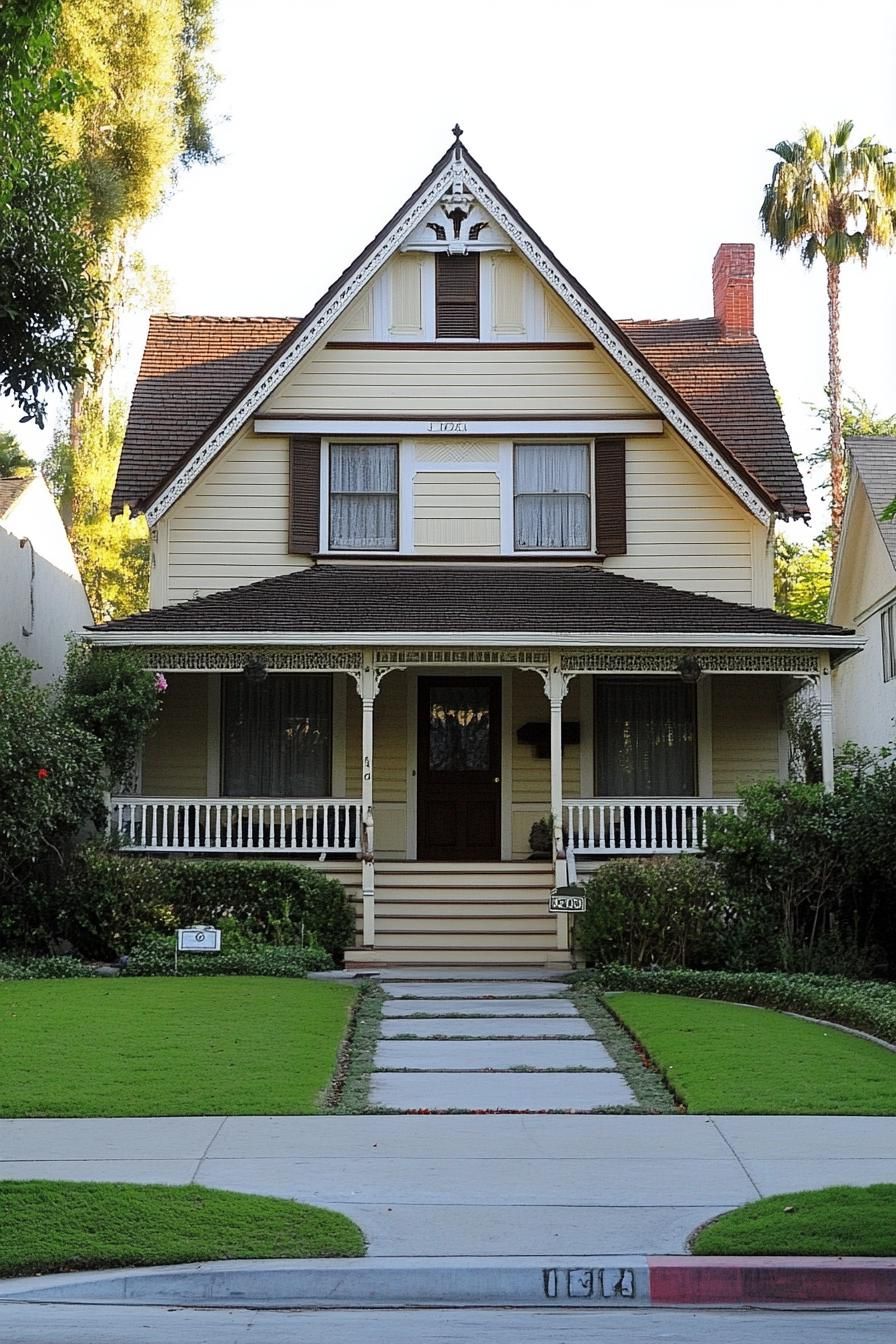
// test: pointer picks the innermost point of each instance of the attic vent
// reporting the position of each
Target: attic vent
(457, 296)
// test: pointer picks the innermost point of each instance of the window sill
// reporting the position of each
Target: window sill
(518, 558)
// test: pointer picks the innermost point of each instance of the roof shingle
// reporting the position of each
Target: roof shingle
(875, 461)
(476, 599)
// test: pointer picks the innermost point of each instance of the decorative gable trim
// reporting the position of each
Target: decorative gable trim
(453, 174)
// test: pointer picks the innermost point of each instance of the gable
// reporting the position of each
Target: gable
(457, 178)
(865, 570)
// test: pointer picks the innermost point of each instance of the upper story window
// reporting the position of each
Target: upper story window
(888, 640)
(551, 497)
(457, 296)
(364, 496)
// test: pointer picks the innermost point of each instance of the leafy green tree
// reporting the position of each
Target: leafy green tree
(112, 553)
(802, 578)
(50, 294)
(834, 200)
(13, 460)
(141, 115)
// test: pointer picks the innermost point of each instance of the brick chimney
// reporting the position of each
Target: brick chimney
(732, 288)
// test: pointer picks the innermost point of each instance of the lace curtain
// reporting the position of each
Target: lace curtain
(645, 737)
(364, 496)
(276, 736)
(551, 488)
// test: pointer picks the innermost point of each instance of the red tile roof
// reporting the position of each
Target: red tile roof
(192, 369)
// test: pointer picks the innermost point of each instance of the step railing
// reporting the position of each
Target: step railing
(237, 825)
(640, 825)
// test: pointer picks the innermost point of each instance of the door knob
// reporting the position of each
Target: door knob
(497, 779)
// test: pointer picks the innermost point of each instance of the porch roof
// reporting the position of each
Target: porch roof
(536, 603)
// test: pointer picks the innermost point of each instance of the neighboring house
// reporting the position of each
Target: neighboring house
(452, 554)
(42, 598)
(863, 594)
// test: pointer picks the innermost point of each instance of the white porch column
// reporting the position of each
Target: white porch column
(367, 689)
(556, 686)
(826, 706)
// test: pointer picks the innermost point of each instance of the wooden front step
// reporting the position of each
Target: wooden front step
(359, 958)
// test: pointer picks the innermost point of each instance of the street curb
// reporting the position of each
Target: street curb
(506, 1281)
(690, 1280)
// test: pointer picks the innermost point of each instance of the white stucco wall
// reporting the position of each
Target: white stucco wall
(32, 528)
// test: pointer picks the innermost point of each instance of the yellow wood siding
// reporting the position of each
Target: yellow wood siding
(685, 529)
(454, 383)
(531, 782)
(457, 511)
(230, 527)
(745, 721)
(175, 752)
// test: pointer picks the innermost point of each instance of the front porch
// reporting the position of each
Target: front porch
(429, 768)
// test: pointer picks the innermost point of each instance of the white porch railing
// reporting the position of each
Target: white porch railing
(640, 825)
(237, 825)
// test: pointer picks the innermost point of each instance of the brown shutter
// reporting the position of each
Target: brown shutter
(457, 295)
(609, 480)
(304, 496)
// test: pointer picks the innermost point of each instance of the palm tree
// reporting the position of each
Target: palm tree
(13, 462)
(837, 201)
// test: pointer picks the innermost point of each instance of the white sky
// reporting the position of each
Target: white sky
(633, 138)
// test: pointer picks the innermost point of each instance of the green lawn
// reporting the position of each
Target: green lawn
(223, 1045)
(49, 1226)
(723, 1058)
(842, 1220)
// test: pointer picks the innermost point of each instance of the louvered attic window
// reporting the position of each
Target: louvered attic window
(457, 296)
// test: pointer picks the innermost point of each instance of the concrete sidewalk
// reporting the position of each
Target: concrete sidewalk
(463, 1185)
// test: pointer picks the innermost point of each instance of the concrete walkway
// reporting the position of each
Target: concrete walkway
(469, 1185)
(532, 1050)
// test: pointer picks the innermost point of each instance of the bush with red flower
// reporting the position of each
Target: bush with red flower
(59, 748)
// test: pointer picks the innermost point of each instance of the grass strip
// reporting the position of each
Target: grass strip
(350, 1089)
(730, 1059)
(841, 1220)
(864, 1005)
(228, 1045)
(50, 1226)
(651, 1093)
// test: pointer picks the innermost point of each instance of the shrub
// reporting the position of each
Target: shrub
(50, 784)
(115, 697)
(154, 955)
(864, 1005)
(817, 870)
(673, 912)
(110, 901)
(44, 968)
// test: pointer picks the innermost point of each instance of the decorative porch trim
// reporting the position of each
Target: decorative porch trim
(217, 658)
(617, 660)
(459, 172)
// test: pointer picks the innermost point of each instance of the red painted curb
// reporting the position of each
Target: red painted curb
(684, 1279)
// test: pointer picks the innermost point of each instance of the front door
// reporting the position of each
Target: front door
(459, 769)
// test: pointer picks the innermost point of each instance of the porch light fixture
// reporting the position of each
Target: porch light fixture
(255, 670)
(689, 670)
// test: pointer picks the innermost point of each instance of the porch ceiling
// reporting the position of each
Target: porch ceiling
(534, 604)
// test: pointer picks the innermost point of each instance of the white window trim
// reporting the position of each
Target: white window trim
(409, 467)
(887, 619)
(574, 441)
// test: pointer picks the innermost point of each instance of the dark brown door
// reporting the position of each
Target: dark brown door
(459, 769)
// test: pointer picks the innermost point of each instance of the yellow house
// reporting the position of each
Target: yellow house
(452, 556)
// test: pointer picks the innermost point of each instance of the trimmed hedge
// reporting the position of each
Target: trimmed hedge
(671, 912)
(865, 1005)
(111, 901)
(155, 956)
(44, 968)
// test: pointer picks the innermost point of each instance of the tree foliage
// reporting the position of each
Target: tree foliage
(50, 296)
(835, 200)
(14, 461)
(112, 553)
(802, 578)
